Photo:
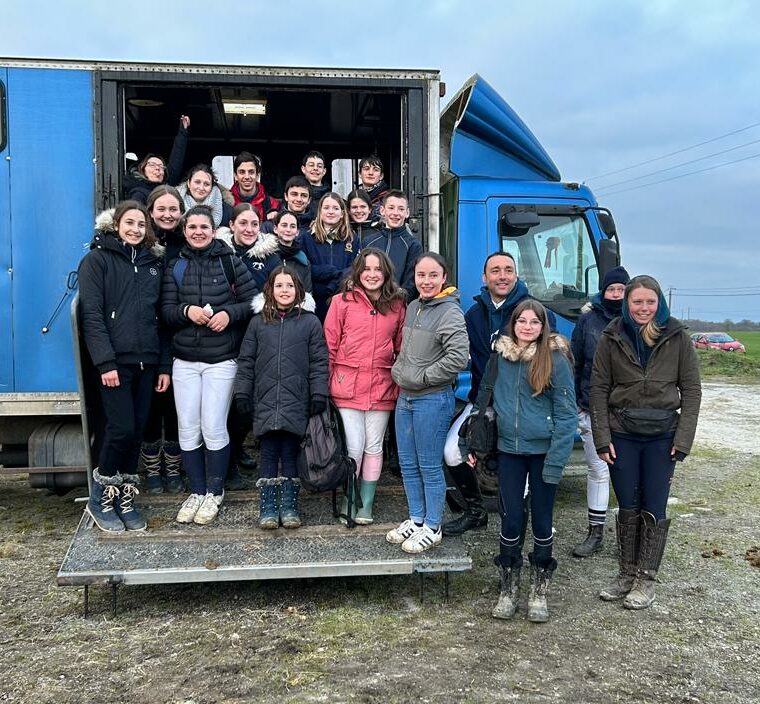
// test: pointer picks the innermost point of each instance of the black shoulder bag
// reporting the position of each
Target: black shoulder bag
(479, 429)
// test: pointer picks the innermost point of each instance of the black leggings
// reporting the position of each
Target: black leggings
(642, 472)
(125, 408)
(162, 419)
(275, 446)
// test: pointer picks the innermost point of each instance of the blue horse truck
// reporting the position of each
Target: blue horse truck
(477, 179)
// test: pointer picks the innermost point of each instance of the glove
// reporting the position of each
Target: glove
(679, 456)
(243, 406)
(318, 405)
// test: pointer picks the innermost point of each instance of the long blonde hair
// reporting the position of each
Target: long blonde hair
(343, 230)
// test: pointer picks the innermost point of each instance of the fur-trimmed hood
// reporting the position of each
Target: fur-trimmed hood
(104, 223)
(264, 245)
(257, 304)
(511, 351)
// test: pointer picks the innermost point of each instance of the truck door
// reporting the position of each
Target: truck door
(6, 311)
(50, 207)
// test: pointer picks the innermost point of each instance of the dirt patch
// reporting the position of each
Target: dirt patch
(371, 640)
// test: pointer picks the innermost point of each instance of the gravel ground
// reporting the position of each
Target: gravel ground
(370, 639)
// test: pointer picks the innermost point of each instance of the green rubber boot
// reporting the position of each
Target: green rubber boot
(367, 493)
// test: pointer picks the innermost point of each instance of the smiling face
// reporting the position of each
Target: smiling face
(330, 213)
(246, 177)
(370, 174)
(297, 199)
(499, 277)
(287, 229)
(166, 212)
(358, 210)
(199, 231)
(154, 170)
(199, 185)
(395, 212)
(284, 291)
(131, 227)
(245, 228)
(314, 170)
(429, 277)
(372, 277)
(527, 327)
(642, 304)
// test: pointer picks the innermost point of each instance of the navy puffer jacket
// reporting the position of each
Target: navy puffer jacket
(204, 281)
(583, 343)
(282, 366)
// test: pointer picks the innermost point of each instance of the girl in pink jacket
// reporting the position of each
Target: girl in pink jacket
(363, 332)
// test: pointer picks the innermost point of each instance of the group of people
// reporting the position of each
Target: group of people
(258, 313)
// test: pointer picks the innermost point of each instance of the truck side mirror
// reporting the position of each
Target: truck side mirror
(607, 223)
(609, 256)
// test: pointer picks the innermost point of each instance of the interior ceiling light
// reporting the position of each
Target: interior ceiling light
(256, 106)
(145, 102)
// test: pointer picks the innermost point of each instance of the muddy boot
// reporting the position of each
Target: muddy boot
(125, 506)
(474, 514)
(173, 468)
(654, 535)
(540, 578)
(269, 503)
(104, 495)
(150, 458)
(627, 528)
(592, 543)
(289, 516)
(510, 589)
(367, 493)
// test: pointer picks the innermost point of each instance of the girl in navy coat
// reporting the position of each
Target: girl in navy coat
(534, 401)
(282, 379)
(330, 247)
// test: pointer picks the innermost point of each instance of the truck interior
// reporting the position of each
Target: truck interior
(278, 123)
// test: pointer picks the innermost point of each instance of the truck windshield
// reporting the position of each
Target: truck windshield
(557, 261)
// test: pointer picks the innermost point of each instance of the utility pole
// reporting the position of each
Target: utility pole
(670, 297)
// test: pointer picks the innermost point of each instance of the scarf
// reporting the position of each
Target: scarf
(213, 200)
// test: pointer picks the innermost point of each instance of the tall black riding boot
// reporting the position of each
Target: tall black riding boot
(474, 515)
(628, 530)
(654, 535)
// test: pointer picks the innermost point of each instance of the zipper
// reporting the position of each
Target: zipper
(279, 374)
(517, 406)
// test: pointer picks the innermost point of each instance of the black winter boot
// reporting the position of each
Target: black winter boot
(628, 529)
(289, 516)
(540, 578)
(104, 497)
(654, 536)
(510, 589)
(150, 458)
(173, 467)
(474, 515)
(269, 503)
(125, 506)
(592, 543)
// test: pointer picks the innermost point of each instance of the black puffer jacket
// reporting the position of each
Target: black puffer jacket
(282, 366)
(172, 240)
(203, 282)
(119, 290)
(137, 187)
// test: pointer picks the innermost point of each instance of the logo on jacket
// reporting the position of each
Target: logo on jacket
(258, 265)
(349, 246)
(153, 271)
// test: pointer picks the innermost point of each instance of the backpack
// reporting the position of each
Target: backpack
(228, 268)
(323, 462)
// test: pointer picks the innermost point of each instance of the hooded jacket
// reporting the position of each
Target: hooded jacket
(376, 194)
(664, 377)
(362, 345)
(330, 262)
(402, 248)
(137, 187)
(583, 344)
(294, 257)
(119, 291)
(282, 366)
(530, 423)
(204, 282)
(434, 345)
(260, 258)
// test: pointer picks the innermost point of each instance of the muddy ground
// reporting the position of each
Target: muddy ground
(370, 640)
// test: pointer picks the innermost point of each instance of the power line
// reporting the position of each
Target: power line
(678, 151)
(744, 289)
(678, 166)
(689, 173)
(714, 295)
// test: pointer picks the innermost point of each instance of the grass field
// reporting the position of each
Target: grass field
(734, 364)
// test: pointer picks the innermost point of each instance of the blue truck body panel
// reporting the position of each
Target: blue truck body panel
(50, 126)
(6, 261)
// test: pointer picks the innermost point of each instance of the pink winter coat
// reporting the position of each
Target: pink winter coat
(362, 345)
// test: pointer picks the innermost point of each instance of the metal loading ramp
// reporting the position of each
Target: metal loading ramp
(234, 548)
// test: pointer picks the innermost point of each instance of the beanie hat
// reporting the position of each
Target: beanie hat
(618, 275)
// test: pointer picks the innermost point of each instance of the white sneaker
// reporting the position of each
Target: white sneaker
(188, 509)
(422, 539)
(209, 508)
(404, 531)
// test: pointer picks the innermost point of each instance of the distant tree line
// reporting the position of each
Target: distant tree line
(711, 326)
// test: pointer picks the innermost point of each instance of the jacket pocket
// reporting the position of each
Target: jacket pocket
(343, 381)
(383, 386)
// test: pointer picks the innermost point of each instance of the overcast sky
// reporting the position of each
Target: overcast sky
(603, 85)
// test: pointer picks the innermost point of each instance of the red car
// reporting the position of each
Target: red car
(716, 341)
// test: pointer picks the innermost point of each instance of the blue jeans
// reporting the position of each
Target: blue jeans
(421, 426)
